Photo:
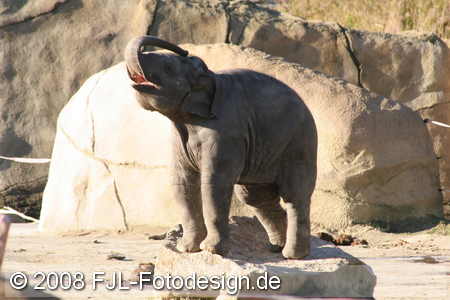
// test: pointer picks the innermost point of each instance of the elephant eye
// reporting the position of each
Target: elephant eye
(169, 69)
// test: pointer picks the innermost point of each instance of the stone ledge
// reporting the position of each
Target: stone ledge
(326, 272)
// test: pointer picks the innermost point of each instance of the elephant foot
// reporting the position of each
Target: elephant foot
(215, 246)
(190, 243)
(188, 246)
(295, 252)
(277, 242)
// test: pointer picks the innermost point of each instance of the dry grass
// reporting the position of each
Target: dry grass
(443, 228)
(375, 15)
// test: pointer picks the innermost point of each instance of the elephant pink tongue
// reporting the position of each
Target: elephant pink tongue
(141, 80)
(138, 78)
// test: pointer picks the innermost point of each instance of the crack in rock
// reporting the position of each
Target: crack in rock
(130, 164)
(90, 112)
(116, 188)
(229, 9)
(228, 31)
(351, 52)
(119, 200)
(154, 16)
(431, 106)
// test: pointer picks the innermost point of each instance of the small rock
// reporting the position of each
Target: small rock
(171, 235)
(143, 267)
(357, 242)
(19, 250)
(116, 256)
(158, 237)
(427, 260)
(398, 243)
(175, 233)
(343, 240)
(83, 233)
(326, 237)
(98, 242)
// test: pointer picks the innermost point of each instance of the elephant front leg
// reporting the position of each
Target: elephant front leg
(194, 230)
(216, 207)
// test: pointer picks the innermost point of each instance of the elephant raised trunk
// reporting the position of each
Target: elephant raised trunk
(133, 50)
(175, 84)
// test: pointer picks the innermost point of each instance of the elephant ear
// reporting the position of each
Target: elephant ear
(199, 100)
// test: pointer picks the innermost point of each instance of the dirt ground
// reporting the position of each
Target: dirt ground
(407, 265)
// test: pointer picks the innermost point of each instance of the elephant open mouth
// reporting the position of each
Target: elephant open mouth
(141, 80)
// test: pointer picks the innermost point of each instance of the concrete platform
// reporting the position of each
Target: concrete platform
(250, 268)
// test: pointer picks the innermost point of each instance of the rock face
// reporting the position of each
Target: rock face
(375, 157)
(44, 48)
(327, 272)
(44, 60)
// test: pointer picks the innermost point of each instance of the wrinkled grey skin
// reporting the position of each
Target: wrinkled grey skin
(234, 130)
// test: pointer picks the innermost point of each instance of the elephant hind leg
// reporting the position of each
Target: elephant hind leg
(265, 202)
(296, 189)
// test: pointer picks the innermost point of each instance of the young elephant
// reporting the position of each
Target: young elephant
(237, 129)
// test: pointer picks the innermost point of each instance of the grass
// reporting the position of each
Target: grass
(443, 228)
(391, 16)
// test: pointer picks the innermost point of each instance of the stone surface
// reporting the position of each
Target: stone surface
(201, 22)
(45, 48)
(375, 157)
(44, 60)
(414, 70)
(326, 272)
(13, 12)
(401, 270)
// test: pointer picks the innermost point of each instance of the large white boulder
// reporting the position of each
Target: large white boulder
(109, 161)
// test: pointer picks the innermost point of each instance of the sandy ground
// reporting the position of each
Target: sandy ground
(407, 266)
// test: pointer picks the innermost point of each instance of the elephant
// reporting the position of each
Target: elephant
(235, 131)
